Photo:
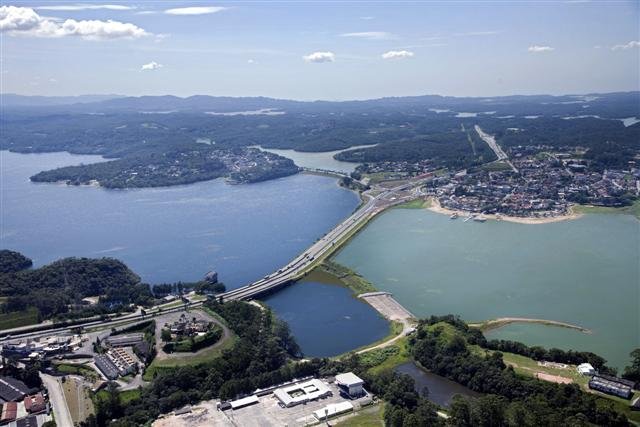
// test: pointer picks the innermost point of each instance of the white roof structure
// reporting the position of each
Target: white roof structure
(245, 401)
(349, 379)
(333, 409)
(302, 392)
(586, 369)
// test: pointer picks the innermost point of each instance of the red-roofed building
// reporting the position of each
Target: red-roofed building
(34, 404)
(9, 412)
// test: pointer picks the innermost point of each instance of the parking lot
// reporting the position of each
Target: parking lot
(266, 413)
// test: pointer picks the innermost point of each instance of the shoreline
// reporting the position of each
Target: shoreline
(436, 207)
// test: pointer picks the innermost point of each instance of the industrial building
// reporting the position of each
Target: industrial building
(128, 340)
(350, 384)
(124, 361)
(302, 393)
(332, 410)
(610, 386)
(13, 390)
(106, 366)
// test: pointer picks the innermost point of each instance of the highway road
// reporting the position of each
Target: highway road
(491, 142)
(323, 246)
(58, 402)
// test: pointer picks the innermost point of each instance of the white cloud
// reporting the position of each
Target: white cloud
(320, 57)
(195, 10)
(251, 61)
(397, 54)
(76, 7)
(630, 45)
(536, 48)
(367, 18)
(477, 33)
(25, 21)
(370, 35)
(153, 65)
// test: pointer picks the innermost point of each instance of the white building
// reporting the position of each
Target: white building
(586, 369)
(332, 410)
(302, 393)
(351, 384)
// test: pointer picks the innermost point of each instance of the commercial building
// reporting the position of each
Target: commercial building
(610, 386)
(302, 393)
(350, 384)
(332, 410)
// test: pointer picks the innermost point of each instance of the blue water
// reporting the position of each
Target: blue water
(180, 233)
(585, 272)
(326, 318)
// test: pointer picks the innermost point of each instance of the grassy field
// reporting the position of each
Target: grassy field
(495, 166)
(368, 417)
(387, 359)
(332, 272)
(18, 318)
(78, 400)
(529, 367)
(634, 209)
(125, 396)
(82, 370)
(415, 204)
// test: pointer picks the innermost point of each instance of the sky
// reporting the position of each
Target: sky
(331, 50)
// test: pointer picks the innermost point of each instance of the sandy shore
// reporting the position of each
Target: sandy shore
(504, 321)
(435, 207)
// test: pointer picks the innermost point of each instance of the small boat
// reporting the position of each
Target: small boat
(479, 218)
(454, 215)
(468, 218)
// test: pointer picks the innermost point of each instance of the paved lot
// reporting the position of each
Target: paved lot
(266, 413)
(387, 306)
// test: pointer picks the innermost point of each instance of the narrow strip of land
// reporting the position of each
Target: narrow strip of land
(504, 321)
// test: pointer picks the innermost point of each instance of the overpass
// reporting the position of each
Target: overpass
(326, 245)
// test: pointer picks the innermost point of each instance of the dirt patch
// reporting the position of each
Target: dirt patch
(553, 378)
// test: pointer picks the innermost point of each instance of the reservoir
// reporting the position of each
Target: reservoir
(584, 272)
(441, 390)
(180, 233)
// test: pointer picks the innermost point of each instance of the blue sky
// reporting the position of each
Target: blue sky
(319, 50)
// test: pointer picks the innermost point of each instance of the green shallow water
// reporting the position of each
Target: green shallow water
(584, 271)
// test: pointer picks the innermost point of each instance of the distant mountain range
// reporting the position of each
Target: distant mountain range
(532, 104)
(13, 100)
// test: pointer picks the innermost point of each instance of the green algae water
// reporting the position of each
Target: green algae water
(585, 272)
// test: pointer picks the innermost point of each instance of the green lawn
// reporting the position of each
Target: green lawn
(634, 209)
(415, 204)
(368, 417)
(82, 370)
(393, 358)
(334, 273)
(18, 318)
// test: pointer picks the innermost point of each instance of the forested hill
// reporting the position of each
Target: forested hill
(167, 140)
(57, 289)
